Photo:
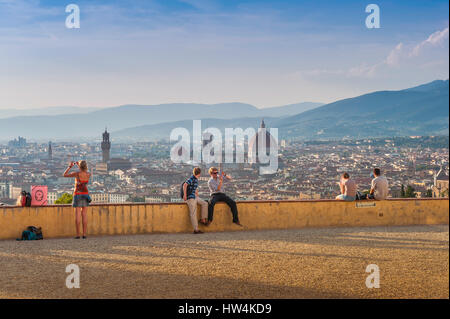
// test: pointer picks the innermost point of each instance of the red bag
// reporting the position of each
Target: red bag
(23, 198)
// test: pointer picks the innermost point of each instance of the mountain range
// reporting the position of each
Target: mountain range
(420, 110)
(55, 110)
(91, 124)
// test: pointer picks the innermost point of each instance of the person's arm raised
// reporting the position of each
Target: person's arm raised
(66, 172)
(220, 183)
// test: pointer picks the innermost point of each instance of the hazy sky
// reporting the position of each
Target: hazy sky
(265, 52)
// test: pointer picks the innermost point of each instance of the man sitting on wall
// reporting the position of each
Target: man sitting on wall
(217, 192)
(348, 188)
(380, 188)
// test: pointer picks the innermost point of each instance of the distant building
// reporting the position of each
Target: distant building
(106, 147)
(259, 149)
(154, 199)
(108, 198)
(52, 197)
(112, 164)
(119, 163)
(4, 189)
(440, 185)
(50, 151)
(309, 195)
(101, 168)
(20, 142)
(264, 138)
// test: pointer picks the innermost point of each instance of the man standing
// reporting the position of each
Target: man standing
(379, 189)
(190, 196)
(217, 192)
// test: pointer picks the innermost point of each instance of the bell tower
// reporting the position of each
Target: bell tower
(106, 147)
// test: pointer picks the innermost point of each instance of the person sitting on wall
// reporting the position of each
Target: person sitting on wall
(348, 188)
(217, 193)
(379, 189)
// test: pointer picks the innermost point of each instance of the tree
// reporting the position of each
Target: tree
(137, 199)
(64, 199)
(429, 193)
(410, 192)
(402, 192)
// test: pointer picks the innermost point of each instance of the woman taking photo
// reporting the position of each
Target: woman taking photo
(81, 198)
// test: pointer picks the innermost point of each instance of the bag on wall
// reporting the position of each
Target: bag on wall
(26, 199)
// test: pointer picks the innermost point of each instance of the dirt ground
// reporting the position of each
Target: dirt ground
(305, 263)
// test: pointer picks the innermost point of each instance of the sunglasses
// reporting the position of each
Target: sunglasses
(214, 173)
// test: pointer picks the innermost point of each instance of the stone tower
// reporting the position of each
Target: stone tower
(106, 147)
(50, 151)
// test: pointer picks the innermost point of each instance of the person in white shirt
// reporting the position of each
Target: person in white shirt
(380, 188)
(217, 193)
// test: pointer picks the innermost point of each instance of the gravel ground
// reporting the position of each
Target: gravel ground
(305, 263)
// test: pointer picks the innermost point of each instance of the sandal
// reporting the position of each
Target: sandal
(203, 223)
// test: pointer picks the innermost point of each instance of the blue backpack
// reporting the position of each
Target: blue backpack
(31, 233)
(27, 235)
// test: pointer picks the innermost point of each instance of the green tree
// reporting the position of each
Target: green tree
(64, 199)
(402, 192)
(429, 193)
(137, 199)
(410, 192)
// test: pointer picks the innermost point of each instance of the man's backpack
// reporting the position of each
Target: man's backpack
(182, 190)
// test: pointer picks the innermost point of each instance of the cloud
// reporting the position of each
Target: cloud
(394, 56)
(435, 39)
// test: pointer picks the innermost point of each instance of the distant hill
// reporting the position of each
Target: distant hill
(287, 110)
(55, 110)
(162, 130)
(422, 110)
(66, 126)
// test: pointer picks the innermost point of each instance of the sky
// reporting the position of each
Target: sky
(265, 52)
